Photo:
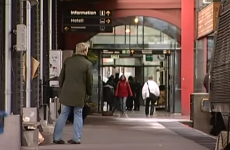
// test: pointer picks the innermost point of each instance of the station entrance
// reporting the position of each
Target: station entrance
(137, 47)
(163, 65)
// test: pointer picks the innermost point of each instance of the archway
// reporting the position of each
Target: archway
(172, 28)
(145, 30)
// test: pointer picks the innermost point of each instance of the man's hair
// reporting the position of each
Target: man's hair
(81, 48)
(150, 77)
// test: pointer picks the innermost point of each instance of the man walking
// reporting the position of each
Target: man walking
(75, 83)
(150, 93)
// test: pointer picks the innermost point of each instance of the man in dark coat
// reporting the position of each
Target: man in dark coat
(116, 79)
(75, 81)
(137, 94)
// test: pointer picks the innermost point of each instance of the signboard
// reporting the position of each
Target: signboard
(55, 63)
(207, 18)
(146, 51)
(115, 56)
(87, 21)
(148, 57)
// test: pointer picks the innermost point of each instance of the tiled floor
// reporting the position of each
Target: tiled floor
(131, 132)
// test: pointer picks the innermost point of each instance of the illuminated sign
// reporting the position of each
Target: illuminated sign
(87, 21)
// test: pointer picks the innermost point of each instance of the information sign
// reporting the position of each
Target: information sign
(87, 21)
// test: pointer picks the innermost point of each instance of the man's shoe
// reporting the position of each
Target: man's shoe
(74, 142)
(59, 142)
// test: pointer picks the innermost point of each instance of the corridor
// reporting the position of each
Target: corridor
(130, 133)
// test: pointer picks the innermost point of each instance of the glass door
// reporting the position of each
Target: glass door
(94, 58)
(174, 82)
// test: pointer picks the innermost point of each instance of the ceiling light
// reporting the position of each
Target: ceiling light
(136, 20)
(127, 30)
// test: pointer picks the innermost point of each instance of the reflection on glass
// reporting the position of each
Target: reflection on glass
(210, 50)
(94, 59)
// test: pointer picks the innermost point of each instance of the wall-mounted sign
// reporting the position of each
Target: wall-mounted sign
(147, 51)
(148, 57)
(207, 18)
(115, 56)
(55, 63)
(87, 21)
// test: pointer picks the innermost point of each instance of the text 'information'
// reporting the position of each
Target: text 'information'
(87, 21)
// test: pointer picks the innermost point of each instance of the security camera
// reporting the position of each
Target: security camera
(33, 2)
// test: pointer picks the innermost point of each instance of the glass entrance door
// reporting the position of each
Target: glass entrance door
(174, 82)
(94, 58)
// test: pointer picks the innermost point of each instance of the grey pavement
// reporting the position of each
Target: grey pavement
(126, 133)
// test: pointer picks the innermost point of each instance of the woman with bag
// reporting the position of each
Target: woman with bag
(123, 90)
(150, 93)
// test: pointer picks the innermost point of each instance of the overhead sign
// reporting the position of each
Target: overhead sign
(147, 52)
(115, 56)
(87, 21)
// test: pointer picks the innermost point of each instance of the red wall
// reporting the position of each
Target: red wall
(187, 54)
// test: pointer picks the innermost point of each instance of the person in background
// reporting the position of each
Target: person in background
(109, 93)
(150, 93)
(130, 99)
(111, 82)
(116, 79)
(206, 82)
(137, 94)
(123, 90)
(76, 82)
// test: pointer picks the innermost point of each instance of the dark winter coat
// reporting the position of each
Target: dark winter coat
(76, 81)
(206, 82)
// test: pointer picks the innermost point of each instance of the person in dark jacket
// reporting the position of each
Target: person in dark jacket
(123, 90)
(206, 82)
(137, 94)
(130, 99)
(116, 79)
(76, 82)
(111, 82)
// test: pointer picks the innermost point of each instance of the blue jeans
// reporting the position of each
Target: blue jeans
(123, 104)
(61, 122)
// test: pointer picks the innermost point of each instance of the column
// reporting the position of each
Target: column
(18, 87)
(35, 52)
(2, 69)
(187, 53)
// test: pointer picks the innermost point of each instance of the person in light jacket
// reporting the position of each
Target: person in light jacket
(151, 86)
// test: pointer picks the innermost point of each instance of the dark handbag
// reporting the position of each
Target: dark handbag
(85, 113)
(152, 96)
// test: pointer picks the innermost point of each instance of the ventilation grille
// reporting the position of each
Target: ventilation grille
(220, 71)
